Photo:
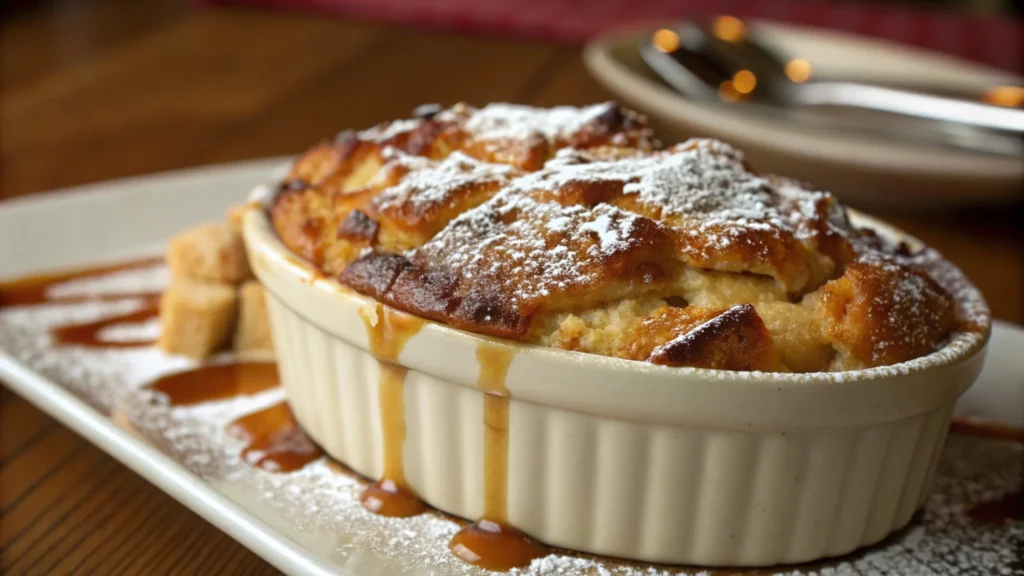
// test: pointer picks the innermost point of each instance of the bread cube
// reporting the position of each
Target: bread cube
(252, 333)
(211, 252)
(196, 318)
(234, 216)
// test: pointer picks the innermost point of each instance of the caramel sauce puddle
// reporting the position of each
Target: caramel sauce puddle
(274, 440)
(216, 382)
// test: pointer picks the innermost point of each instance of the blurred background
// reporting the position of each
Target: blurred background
(97, 89)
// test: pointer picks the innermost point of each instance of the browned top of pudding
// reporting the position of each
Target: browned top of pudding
(575, 228)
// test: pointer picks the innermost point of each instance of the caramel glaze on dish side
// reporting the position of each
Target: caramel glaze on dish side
(576, 228)
(389, 331)
(490, 542)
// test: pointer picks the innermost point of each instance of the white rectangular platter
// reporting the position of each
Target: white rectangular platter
(310, 521)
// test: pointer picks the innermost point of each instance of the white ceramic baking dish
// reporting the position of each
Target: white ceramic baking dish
(623, 458)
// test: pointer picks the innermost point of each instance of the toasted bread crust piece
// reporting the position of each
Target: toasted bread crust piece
(882, 312)
(211, 252)
(412, 177)
(252, 331)
(730, 339)
(196, 318)
(234, 215)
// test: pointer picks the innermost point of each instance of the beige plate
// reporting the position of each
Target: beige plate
(861, 168)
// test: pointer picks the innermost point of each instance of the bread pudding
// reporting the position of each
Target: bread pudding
(576, 228)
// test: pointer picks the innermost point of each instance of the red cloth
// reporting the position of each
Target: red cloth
(989, 40)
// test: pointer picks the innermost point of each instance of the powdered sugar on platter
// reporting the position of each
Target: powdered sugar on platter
(320, 500)
(147, 279)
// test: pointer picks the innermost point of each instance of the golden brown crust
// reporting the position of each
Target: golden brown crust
(882, 312)
(413, 176)
(491, 273)
(413, 198)
(309, 224)
(498, 220)
(730, 339)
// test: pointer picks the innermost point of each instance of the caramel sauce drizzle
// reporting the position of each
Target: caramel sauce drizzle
(216, 382)
(494, 364)
(32, 290)
(490, 542)
(388, 332)
(274, 440)
(1009, 507)
(88, 333)
(987, 430)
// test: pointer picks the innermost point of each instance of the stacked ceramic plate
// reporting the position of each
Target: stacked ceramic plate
(862, 167)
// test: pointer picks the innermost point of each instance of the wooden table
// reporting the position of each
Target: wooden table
(107, 89)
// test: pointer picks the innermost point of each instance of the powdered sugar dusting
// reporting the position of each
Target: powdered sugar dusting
(96, 374)
(500, 121)
(699, 179)
(971, 305)
(429, 183)
(388, 130)
(136, 281)
(320, 502)
(591, 178)
(147, 331)
(722, 215)
(530, 248)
